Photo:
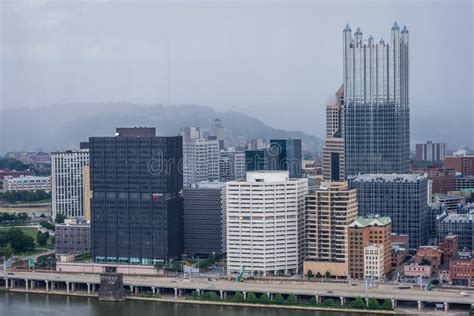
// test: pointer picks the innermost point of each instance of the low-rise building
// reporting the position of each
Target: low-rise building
(26, 183)
(400, 246)
(461, 269)
(72, 238)
(449, 246)
(417, 270)
(430, 254)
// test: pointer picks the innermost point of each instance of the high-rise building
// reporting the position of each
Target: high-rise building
(369, 231)
(203, 218)
(137, 207)
(376, 126)
(330, 210)
(190, 133)
(231, 165)
(333, 151)
(402, 197)
(86, 192)
(255, 144)
(286, 154)
(265, 223)
(430, 151)
(256, 160)
(200, 161)
(67, 175)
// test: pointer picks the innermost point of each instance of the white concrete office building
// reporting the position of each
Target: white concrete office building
(374, 261)
(200, 161)
(265, 223)
(67, 169)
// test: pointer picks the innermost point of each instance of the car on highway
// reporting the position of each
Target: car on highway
(465, 294)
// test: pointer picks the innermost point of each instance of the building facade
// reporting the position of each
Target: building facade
(461, 269)
(376, 103)
(286, 154)
(203, 218)
(403, 198)
(26, 183)
(67, 174)
(463, 164)
(231, 165)
(461, 225)
(200, 161)
(374, 261)
(333, 151)
(137, 207)
(369, 231)
(265, 223)
(72, 239)
(430, 151)
(330, 210)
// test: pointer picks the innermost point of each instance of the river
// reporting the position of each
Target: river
(25, 304)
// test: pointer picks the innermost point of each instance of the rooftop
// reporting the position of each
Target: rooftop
(370, 221)
(381, 177)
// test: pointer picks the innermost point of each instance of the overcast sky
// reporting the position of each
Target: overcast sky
(228, 55)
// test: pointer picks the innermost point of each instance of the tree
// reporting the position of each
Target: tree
(319, 275)
(264, 299)
(328, 274)
(213, 296)
(194, 295)
(292, 299)
(358, 303)
(278, 299)
(329, 302)
(387, 304)
(59, 219)
(312, 301)
(373, 303)
(238, 297)
(47, 225)
(6, 251)
(18, 241)
(425, 262)
(251, 298)
(309, 274)
(41, 239)
(255, 273)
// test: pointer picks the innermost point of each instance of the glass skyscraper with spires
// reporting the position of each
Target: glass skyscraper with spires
(376, 121)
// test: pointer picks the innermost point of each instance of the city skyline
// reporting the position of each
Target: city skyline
(286, 50)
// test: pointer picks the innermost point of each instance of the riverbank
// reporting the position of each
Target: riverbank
(185, 300)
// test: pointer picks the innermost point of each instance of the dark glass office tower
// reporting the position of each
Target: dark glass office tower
(137, 207)
(285, 154)
(256, 160)
(376, 124)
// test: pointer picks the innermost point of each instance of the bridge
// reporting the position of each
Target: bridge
(89, 283)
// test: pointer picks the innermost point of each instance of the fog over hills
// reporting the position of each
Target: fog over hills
(63, 126)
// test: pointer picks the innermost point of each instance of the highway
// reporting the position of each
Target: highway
(307, 288)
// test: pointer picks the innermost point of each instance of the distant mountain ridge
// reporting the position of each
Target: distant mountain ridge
(64, 126)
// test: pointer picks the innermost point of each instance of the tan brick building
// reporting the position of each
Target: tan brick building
(329, 211)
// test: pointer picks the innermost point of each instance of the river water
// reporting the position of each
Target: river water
(25, 304)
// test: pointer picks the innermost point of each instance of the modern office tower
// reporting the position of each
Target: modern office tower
(333, 151)
(430, 151)
(86, 192)
(330, 210)
(67, 175)
(265, 223)
(72, 238)
(461, 225)
(286, 154)
(256, 160)
(255, 144)
(203, 218)
(460, 163)
(374, 261)
(218, 130)
(231, 165)
(137, 207)
(190, 133)
(200, 161)
(376, 103)
(371, 231)
(402, 197)
(26, 183)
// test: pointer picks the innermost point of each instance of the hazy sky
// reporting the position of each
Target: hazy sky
(229, 55)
